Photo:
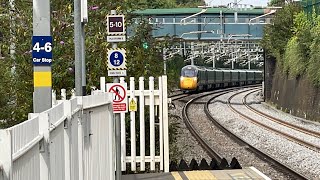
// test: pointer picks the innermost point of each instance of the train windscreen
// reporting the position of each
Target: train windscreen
(188, 73)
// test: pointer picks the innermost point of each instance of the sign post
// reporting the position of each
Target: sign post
(41, 56)
(117, 67)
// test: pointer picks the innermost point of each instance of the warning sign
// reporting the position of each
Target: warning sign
(119, 90)
(133, 104)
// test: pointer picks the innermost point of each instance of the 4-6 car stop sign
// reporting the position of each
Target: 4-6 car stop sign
(116, 25)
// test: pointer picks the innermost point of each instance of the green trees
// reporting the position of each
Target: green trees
(16, 72)
(277, 35)
(294, 40)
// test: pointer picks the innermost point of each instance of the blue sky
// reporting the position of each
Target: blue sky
(251, 2)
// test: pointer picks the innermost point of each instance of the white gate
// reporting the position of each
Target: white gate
(156, 100)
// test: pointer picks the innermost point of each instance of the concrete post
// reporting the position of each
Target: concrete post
(77, 47)
(42, 74)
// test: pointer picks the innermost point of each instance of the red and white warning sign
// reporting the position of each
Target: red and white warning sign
(120, 101)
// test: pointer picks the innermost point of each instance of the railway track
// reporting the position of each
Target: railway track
(214, 153)
(176, 95)
(210, 151)
(284, 123)
(277, 131)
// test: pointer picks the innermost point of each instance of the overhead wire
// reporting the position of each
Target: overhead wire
(222, 12)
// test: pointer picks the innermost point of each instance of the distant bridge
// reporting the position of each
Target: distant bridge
(207, 24)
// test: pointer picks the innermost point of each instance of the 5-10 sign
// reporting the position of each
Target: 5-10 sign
(116, 25)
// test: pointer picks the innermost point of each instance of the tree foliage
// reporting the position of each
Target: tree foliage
(297, 50)
(294, 40)
(16, 72)
(277, 34)
(314, 57)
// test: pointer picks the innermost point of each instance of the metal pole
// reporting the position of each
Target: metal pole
(12, 32)
(221, 26)
(118, 126)
(83, 59)
(236, 11)
(232, 61)
(164, 61)
(214, 61)
(77, 47)
(192, 51)
(184, 49)
(42, 94)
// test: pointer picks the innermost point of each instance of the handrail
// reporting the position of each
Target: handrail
(27, 147)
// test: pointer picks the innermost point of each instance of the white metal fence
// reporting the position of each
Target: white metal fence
(72, 141)
(155, 101)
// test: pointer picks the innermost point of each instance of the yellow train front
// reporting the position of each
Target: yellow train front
(190, 79)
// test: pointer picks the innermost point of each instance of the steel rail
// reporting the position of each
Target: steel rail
(286, 135)
(240, 141)
(211, 152)
(277, 120)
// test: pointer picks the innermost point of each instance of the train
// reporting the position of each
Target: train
(198, 78)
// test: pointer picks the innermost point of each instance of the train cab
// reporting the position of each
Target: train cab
(188, 78)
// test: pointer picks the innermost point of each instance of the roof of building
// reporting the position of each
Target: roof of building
(178, 11)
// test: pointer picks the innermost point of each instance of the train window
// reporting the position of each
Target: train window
(188, 73)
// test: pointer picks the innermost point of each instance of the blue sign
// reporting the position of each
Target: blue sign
(116, 58)
(42, 50)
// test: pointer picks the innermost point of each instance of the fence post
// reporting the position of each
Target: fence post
(123, 136)
(103, 84)
(111, 142)
(161, 122)
(165, 124)
(123, 141)
(132, 129)
(80, 139)
(6, 153)
(54, 98)
(67, 134)
(152, 132)
(63, 94)
(44, 146)
(142, 131)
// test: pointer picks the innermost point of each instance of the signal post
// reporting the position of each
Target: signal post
(117, 68)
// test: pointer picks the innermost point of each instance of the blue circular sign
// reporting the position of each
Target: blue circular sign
(116, 58)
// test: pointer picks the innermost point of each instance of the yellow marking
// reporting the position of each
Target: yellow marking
(239, 175)
(176, 176)
(42, 79)
(199, 175)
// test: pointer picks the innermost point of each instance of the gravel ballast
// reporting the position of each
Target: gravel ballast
(294, 155)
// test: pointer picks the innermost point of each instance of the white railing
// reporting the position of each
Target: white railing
(156, 101)
(71, 141)
(74, 140)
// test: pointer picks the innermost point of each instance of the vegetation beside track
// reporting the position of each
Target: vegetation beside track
(293, 39)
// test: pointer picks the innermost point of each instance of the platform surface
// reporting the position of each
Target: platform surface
(235, 174)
